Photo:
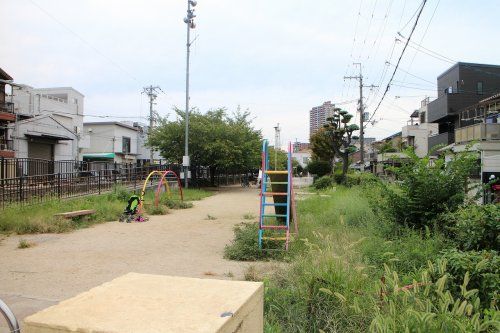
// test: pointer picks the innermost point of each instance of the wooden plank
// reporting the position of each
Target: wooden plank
(76, 213)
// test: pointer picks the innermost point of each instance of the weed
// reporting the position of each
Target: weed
(229, 274)
(252, 274)
(24, 244)
(160, 210)
(210, 217)
(249, 216)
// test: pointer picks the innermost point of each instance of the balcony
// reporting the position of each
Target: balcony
(444, 139)
(450, 104)
(7, 111)
(6, 148)
(477, 132)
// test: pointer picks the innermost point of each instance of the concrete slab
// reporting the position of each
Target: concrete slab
(153, 303)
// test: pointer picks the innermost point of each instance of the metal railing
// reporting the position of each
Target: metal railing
(7, 107)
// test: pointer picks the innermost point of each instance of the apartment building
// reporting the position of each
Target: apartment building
(462, 85)
(298, 146)
(318, 116)
(7, 116)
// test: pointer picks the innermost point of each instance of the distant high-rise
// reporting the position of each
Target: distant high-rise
(318, 115)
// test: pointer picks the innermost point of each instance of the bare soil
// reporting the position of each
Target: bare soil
(182, 243)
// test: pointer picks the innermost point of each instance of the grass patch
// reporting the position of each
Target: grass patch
(24, 244)
(210, 217)
(39, 218)
(245, 246)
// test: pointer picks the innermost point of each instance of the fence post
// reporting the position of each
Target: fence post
(59, 185)
(99, 181)
(21, 194)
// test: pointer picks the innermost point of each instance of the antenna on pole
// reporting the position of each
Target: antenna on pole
(277, 144)
(152, 93)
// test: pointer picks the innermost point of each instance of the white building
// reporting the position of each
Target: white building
(50, 123)
(416, 133)
(303, 157)
(111, 141)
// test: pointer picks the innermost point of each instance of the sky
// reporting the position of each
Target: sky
(277, 58)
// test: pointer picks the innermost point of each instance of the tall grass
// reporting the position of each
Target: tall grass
(333, 281)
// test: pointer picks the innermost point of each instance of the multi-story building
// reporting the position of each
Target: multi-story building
(7, 116)
(460, 86)
(318, 116)
(417, 130)
(50, 123)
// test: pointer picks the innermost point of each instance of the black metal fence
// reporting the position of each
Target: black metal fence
(76, 178)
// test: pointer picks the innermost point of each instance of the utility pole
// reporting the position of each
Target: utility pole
(189, 20)
(151, 91)
(361, 112)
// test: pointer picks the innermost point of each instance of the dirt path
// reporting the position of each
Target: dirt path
(182, 243)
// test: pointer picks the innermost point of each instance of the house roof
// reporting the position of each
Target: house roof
(4, 75)
(107, 123)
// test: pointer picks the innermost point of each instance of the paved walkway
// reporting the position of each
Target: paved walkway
(182, 243)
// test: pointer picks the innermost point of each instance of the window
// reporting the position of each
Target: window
(422, 117)
(479, 88)
(125, 145)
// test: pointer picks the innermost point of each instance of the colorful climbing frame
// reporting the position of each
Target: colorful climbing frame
(277, 204)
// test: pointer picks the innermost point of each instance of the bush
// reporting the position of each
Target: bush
(483, 268)
(361, 178)
(323, 182)
(319, 168)
(474, 227)
(428, 189)
(245, 246)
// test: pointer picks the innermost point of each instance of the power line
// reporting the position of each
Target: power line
(399, 60)
(83, 40)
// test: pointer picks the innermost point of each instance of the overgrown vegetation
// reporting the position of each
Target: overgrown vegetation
(40, 218)
(359, 266)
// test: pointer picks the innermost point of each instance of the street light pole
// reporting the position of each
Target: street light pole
(190, 25)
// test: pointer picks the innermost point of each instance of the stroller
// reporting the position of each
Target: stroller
(131, 211)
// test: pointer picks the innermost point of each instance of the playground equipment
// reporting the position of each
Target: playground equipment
(165, 177)
(276, 185)
(9, 317)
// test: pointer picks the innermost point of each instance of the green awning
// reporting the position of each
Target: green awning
(99, 155)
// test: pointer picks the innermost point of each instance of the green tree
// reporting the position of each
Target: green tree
(216, 140)
(321, 146)
(340, 134)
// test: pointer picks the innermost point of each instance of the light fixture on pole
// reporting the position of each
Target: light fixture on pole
(189, 20)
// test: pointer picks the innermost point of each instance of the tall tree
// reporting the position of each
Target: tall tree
(340, 134)
(216, 140)
(321, 147)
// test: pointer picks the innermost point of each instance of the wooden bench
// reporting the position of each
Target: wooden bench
(76, 213)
